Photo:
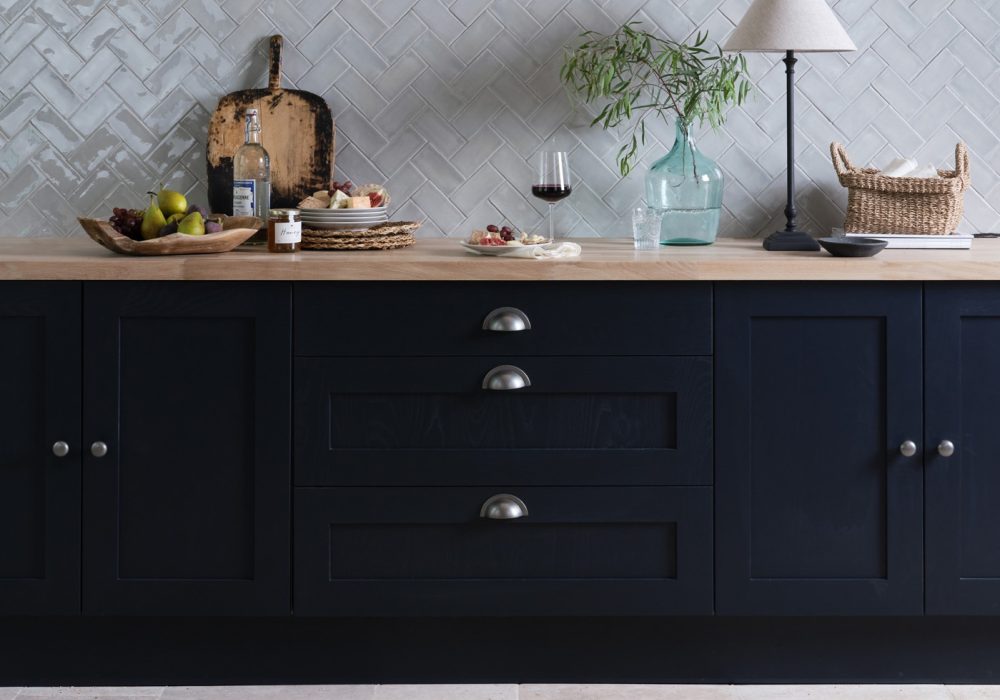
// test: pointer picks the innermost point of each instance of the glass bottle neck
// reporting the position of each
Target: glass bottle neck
(683, 134)
(253, 130)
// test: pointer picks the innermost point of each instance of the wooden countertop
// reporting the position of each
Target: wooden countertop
(79, 258)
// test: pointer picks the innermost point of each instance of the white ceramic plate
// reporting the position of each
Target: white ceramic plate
(345, 217)
(376, 220)
(338, 219)
(338, 227)
(499, 250)
(341, 212)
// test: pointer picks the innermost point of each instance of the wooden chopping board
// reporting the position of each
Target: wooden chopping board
(297, 132)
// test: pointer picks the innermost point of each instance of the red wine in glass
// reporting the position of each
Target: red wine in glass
(552, 182)
(551, 193)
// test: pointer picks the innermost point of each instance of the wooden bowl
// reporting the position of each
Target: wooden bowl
(236, 230)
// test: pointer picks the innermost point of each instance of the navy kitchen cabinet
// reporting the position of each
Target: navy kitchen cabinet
(962, 444)
(818, 510)
(40, 449)
(187, 469)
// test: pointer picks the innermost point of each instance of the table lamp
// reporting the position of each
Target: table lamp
(789, 26)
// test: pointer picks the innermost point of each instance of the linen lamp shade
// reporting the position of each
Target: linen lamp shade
(789, 25)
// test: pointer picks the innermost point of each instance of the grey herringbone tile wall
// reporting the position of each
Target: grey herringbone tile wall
(448, 100)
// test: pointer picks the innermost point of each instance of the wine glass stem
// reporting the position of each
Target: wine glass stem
(552, 223)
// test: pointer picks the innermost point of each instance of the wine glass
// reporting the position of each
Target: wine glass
(552, 182)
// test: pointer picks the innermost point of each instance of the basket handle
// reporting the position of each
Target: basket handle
(841, 163)
(962, 161)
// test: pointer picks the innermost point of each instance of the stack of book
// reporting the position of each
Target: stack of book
(954, 241)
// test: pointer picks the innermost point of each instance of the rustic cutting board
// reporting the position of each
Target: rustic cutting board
(296, 130)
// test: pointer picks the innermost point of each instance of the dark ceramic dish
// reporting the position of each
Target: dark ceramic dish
(844, 247)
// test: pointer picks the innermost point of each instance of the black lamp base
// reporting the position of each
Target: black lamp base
(790, 240)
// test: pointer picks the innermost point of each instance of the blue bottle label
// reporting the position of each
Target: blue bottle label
(244, 197)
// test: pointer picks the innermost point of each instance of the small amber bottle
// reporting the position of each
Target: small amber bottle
(284, 231)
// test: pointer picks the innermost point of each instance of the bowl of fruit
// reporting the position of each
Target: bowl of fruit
(170, 226)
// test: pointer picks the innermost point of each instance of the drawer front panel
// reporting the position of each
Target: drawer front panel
(446, 318)
(423, 421)
(428, 551)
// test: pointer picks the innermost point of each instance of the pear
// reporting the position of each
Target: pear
(171, 202)
(192, 225)
(152, 219)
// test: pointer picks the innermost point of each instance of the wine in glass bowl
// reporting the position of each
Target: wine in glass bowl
(552, 182)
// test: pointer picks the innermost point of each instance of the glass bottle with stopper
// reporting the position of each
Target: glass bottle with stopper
(252, 177)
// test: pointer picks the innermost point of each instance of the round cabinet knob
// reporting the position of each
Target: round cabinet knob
(908, 448)
(506, 319)
(503, 506)
(506, 378)
(946, 448)
(98, 449)
(60, 449)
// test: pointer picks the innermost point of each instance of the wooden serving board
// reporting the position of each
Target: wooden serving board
(297, 131)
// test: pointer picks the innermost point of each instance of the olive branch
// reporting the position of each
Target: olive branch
(634, 73)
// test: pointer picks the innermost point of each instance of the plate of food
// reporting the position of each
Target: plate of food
(503, 241)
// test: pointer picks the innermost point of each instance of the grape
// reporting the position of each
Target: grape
(127, 222)
(344, 187)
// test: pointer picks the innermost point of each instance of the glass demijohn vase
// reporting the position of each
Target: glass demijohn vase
(686, 187)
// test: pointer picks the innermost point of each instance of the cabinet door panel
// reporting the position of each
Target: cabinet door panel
(579, 551)
(817, 511)
(39, 405)
(963, 491)
(188, 513)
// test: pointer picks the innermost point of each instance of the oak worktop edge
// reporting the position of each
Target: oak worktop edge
(604, 259)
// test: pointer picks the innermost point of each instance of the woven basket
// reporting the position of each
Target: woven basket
(880, 204)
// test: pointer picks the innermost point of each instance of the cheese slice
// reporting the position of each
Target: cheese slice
(359, 203)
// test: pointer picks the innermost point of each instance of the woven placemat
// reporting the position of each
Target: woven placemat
(392, 234)
(389, 228)
(359, 243)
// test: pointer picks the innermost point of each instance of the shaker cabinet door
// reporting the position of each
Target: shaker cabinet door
(963, 484)
(187, 387)
(818, 512)
(40, 415)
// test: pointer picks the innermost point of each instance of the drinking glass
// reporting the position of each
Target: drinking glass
(646, 228)
(552, 182)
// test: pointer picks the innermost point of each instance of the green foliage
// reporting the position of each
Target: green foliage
(635, 74)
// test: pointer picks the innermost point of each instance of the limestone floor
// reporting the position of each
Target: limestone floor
(521, 692)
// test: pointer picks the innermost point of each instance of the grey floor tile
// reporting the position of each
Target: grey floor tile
(627, 692)
(974, 692)
(269, 692)
(842, 692)
(447, 692)
(119, 692)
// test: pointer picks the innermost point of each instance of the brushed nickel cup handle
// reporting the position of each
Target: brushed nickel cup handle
(503, 506)
(506, 378)
(506, 319)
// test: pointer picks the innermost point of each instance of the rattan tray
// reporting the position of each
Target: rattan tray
(393, 234)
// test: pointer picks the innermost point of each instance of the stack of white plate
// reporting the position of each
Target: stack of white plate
(341, 219)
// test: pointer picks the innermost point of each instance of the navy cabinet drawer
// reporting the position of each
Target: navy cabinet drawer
(446, 318)
(426, 421)
(579, 551)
